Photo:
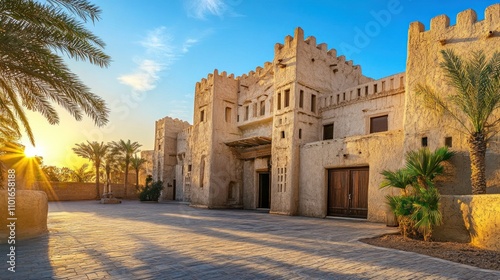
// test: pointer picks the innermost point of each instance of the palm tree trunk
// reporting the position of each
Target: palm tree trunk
(137, 178)
(126, 178)
(97, 166)
(477, 152)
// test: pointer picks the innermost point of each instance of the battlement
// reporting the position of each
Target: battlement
(465, 20)
(207, 82)
(268, 66)
(311, 40)
(173, 121)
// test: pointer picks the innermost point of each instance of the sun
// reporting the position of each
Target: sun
(31, 151)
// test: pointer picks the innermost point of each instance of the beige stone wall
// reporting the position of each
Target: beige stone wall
(378, 151)
(422, 66)
(351, 116)
(165, 157)
(147, 168)
(31, 209)
(468, 218)
(70, 191)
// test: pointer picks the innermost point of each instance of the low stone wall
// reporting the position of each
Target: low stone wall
(470, 218)
(30, 210)
(70, 191)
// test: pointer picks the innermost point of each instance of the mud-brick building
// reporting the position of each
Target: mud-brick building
(308, 133)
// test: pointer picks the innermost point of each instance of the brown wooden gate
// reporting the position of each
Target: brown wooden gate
(348, 192)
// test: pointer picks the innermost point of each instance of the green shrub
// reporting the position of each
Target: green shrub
(417, 208)
(152, 190)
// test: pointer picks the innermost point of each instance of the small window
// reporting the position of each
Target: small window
(202, 116)
(262, 107)
(424, 142)
(189, 168)
(338, 98)
(159, 147)
(378, 124)
(301, 99)
(282, 134)
(366, 91)
(359, 92)
(228, 114)
(328, 131)
(383, 85)
(375, 88)
(287, 98)
(238, 118)
(300, 133)
(254, 110)
(279, 101)
(401, 82)
(448, 142)
(391, 86)
(246, 113)
(313, 103)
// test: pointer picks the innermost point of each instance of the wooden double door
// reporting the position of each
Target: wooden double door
(348, 192)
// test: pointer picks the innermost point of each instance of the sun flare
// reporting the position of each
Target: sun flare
(31, 151)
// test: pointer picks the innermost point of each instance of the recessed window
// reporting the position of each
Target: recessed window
(159, 147)
(375, 88)
(401, 82)
(202, 116)
(300, 133)
(313, 103)
(424, 142)
(383, 85)
(228, 114)
(338, 98)
(391, 86)
(359, 92)
(262, 107)
(301, 99)
(282, 134)
(448, 142)
(328, 131)
(378, 124)
(287, 98)
(190, 167)
(366, 91)
(343, 96)
(246, 113)
(279, 101)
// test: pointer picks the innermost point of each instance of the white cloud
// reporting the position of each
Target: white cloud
(144, 78)
(160, 53)
(201, 8)
(188, 44)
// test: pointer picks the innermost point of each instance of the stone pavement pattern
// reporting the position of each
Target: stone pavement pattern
(136, 240)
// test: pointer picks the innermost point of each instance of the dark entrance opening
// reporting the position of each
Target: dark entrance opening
(264, 190)
(174, 190)
(348, 192)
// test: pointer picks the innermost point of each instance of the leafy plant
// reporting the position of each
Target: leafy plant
(152, 190)
(417, 208)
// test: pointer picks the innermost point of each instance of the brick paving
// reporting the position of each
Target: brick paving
(136, 240)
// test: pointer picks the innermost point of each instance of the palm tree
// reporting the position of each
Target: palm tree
(82, 174)
(33, 74)
(473, 104)
(137, 163)
(94, 152)
(418, 206)
(125, 150)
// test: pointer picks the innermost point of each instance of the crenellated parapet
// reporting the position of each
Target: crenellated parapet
(466, 25)
(258, 72)
(207, 82)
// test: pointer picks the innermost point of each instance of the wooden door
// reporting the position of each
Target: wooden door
(348, 192)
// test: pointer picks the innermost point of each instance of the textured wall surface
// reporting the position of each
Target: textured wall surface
(31, 211)
(69, 191)
(470, 218)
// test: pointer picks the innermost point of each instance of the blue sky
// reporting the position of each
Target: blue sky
(160, 49)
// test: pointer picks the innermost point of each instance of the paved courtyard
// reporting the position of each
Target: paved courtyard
(136, 240)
